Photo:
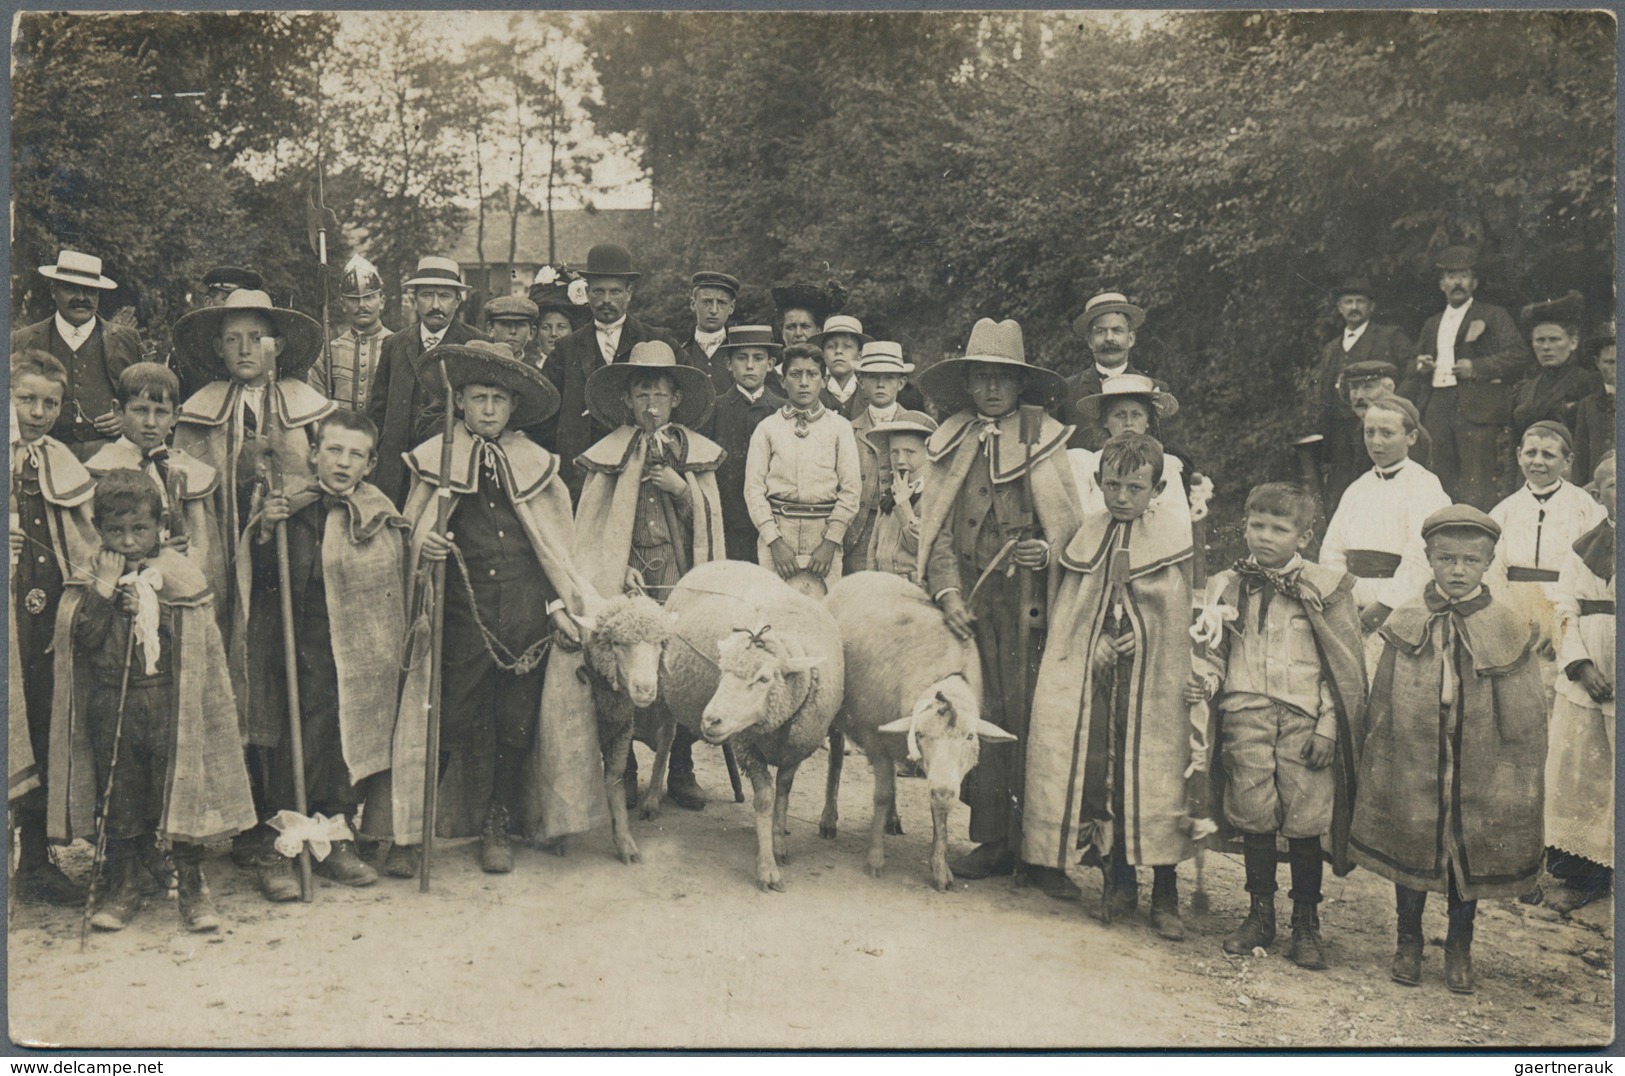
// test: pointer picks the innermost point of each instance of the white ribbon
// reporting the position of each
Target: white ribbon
(294, 831)
(1210, 622)
(1201, 494)
(144, 585)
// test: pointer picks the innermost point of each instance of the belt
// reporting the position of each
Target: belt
(1372, 564)
(795, 510)
(1596, 607)
(1530, 575)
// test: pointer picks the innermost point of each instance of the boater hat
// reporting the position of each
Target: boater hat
(1461, 515)
(73, 267)
(607, 387)
(434, 272)
(750, 336)
(195, 359)
(992, 343)
(883, 357)
(918, 422)
(480, 362)
(838, 325)
(1163, 403)
(1107, 302)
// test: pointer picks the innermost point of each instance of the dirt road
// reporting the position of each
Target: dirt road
(682, 950)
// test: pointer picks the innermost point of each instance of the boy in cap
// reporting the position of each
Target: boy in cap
(801, 476)
(509, 587)
(1580, 762)
(348, 370)
(155, 712)
(1279, 647)
(1560, 381)
(990, 503)
(511, 320)
(894, 540)
(1594, 416)
(881, 374)
(91, 350)
(1450, 774)
(1375, 534)
(51, 535)
(748, 354)
(842, 340)
(347, 569)
(712, 295)
(649, 508)
(191, 490)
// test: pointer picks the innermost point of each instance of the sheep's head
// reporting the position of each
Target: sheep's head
(945, 732)
(624, 638)
(756, 686)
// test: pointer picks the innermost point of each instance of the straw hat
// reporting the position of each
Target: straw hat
(436, 272)
(480, 362)
(73, 267)
(1163, 403)
(607, 387)
(750, 336)
(992, 343)
(918, 422)
(195, 334)
(883, 357)
(836, 325)
(1107, 302)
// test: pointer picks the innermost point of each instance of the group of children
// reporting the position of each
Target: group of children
(1394, 697)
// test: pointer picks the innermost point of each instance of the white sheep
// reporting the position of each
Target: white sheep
(754, 663)
(913, 691)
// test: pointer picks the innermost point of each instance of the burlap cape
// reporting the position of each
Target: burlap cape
(1472, 801)
(202, 497)
(1069, 738)
(604, 518)
(1334, 621)
(564, 778)
(206, 793)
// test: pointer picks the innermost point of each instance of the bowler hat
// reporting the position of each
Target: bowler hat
(607, 386)
(480, 362)
(1354, 285)
(883, 357)
(710, 278)
(1163, 403)
(919, 422)
(73, 267)
(750, 336)
(1461, 515)
(1107, 302)
(610, 259)
(1370, 370)
(1456, 259)
(839, 324)
(436, 272)
(996, 344)
(194, 336)
(232, 277)
(511, 308)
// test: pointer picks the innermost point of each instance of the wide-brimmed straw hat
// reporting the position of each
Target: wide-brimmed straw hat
(992, 343)
(194, 336)
(480, 362)
(883, 357)
(1163, 403)
(607, 387)
(436, 272)
(750, 336)
(1107, 302)
(73, 267)
(838, 325)
(918, 422)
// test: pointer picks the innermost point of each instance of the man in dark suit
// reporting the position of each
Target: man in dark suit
(1468, 358)
(92, 349)
(1108, 323)
(712, 301)
(1362, 340)
(608, 339)
(406, 414)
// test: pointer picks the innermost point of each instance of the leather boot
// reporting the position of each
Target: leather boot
(1052, 882)
(1409, 903)
(681, 787)
(1307, 949)
(402, 861)
(38, 879)
(1257, 931)
(1121, 894)
(1458, 948)
(345, 866)
(989, 860)
(1165, 918)
(496, 853)
(122, 898)
(275, 874)
(192, 892)
(159, 866)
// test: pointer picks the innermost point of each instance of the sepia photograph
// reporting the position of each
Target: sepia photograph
(1019, 530)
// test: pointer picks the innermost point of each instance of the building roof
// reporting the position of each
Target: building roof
(578, 230)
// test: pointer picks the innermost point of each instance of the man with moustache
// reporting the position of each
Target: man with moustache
(712, 300)
(404, 413)
(609, 339)
(347, 372)
(1107, 322)
(92, 349)
(1362, 340)
(1469, 357)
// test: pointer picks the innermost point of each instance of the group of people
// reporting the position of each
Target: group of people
(224, 576)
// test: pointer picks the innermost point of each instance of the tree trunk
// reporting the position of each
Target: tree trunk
(479, 189)
(518, 185)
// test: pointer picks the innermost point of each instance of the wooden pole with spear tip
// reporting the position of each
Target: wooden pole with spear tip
(100, 855)
(437, 631)
(319, 220)
(296, 738)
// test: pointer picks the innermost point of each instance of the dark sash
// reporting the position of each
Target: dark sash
(1516, 574)
(1372, 564)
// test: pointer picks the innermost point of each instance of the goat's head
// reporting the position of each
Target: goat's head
(945, 731)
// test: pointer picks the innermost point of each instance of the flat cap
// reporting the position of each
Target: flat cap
(1370, 370)
(1461, 515)
(233, 276)
(710, 278)
(511, 308)
(1400, 404)
(1547, 428)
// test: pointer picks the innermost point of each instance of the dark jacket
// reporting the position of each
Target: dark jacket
(1500, 358)
(692, 354)
(733, 420)
(1328, 406)
(1553, 394)
(94, 390)
(573, 360)
(1593, 434)
(406, 415)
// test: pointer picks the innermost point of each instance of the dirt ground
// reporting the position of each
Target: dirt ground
(683, 951)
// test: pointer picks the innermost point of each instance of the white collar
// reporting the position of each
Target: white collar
(1547, 492)
(841, 392)
(877, 416)
(613, 328)
(1456, 313)
(74, 335)
(710, 339)
(1113, 371)
(1355, 334)
(1395, 469)
(751, 396)
(431, 339)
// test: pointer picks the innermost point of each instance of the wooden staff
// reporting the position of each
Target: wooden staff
(100, 855)
(296, 737)
(437, 635)
(1032, 424)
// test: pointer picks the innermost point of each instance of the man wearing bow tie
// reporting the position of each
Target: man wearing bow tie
(403, 411)
(712, 301)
